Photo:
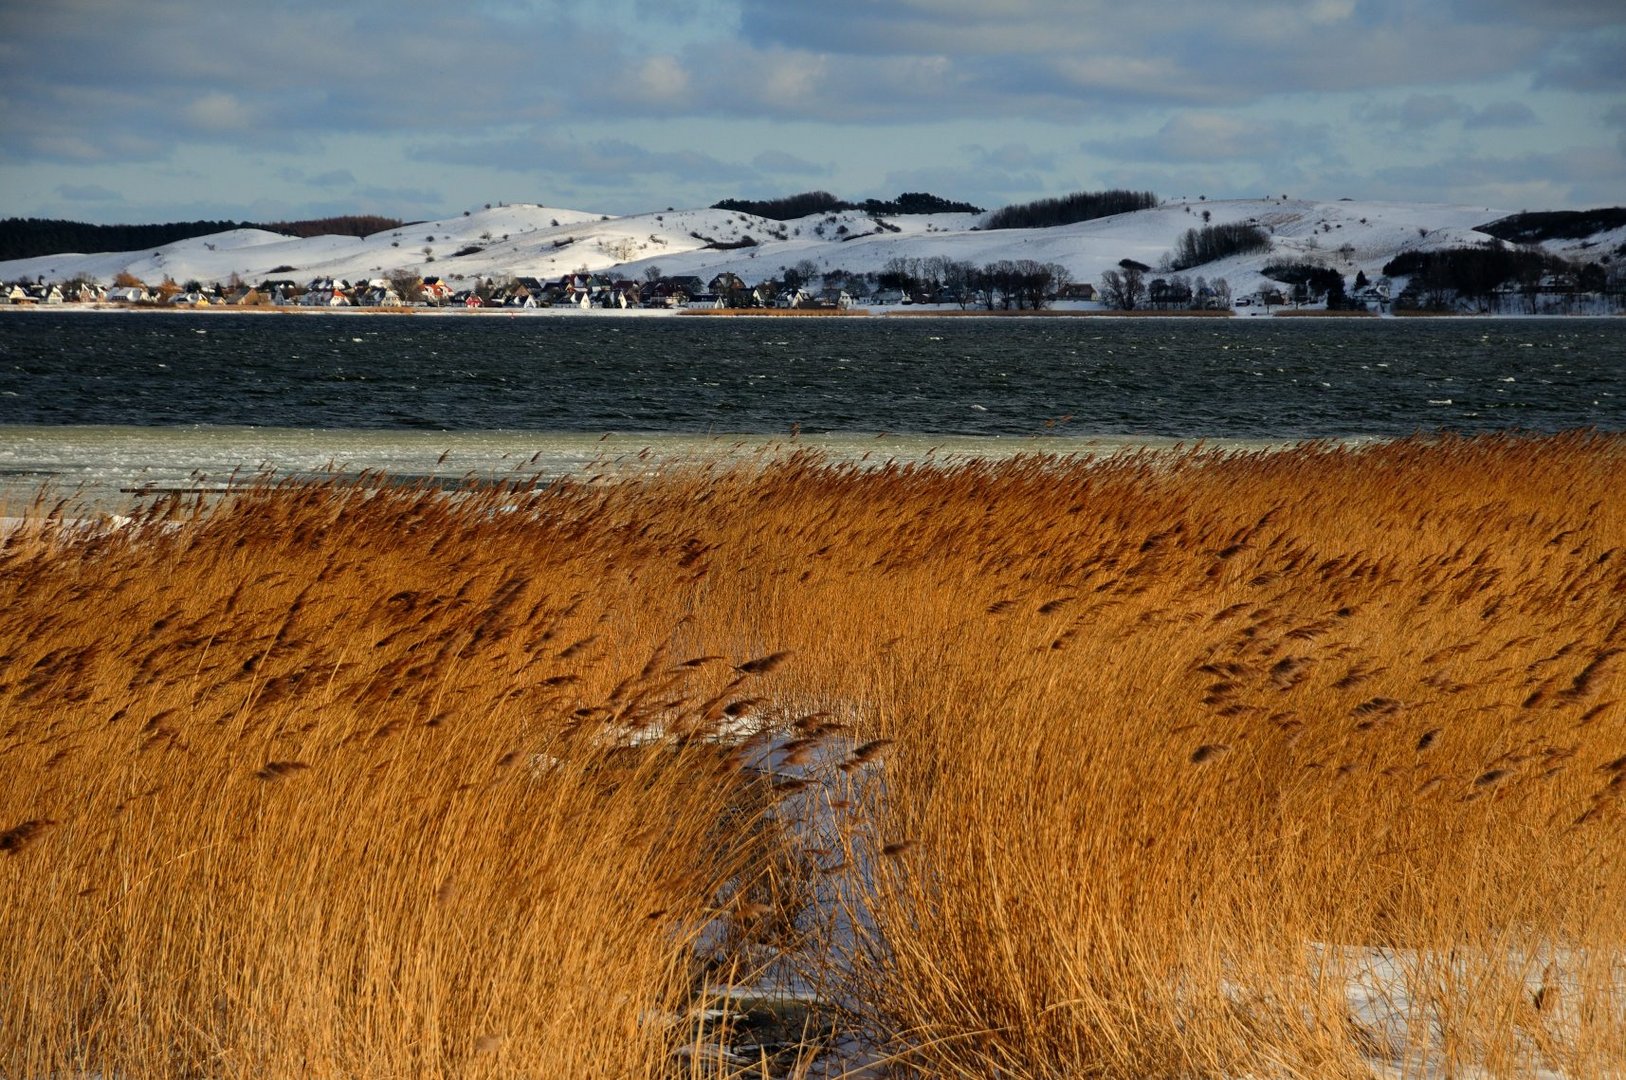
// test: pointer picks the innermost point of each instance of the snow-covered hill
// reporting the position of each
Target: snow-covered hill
(546, 242)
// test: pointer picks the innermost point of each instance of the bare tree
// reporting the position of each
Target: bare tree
(1125, 289)
(960, 279)
(801, 274)
(407, 285)
(1060, 278)
(621, 249)
(1034, 283)
(936, 271)
(985, 283)
(901, 272)
(1001, 279)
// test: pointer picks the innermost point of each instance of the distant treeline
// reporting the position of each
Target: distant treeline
(1068, 209)
(1490, 278)
(26, 238)
(348, 225)
(1213, 242)
(809, 203)
(1475, 271)
(1534, 227)
(1315, 280)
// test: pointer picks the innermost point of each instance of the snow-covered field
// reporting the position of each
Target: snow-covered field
(547, 242)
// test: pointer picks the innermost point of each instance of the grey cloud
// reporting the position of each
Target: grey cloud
(1035, 49)
(123, 78)
(916, 28)
(988, 177)
(1011, 157)
(988, 188)
(1421, 111)
(779, 163)
(333, 178)
(1503, 114)
(1568, 14)
(733, 79)
(1216, 180)
(1398, 55)
(615, 158)
(615, 162)
(1590, 64)
(1418, 112)
(88, 193)
(1616, 118)
(33, 139)
(128, 81)
(90, 83)
(1577, 177)
(394, 196)
(219, 112)
(1217, 136)
(510, 154)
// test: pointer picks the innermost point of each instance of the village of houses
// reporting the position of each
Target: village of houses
(583, 291)
(586, 291)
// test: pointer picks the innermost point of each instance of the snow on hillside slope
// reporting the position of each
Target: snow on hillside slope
(546, 242)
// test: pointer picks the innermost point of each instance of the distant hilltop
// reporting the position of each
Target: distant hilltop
(1115, 249)
(24, 238)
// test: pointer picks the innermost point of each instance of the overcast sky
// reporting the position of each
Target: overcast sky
(170, 109)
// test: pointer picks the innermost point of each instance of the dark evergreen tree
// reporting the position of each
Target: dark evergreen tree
(1069, 209)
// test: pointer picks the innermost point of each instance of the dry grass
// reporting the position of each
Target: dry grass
(333, 781)
(1321, 313)
(777, 313)
(1074, 313)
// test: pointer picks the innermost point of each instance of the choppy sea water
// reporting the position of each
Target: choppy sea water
(110, 402)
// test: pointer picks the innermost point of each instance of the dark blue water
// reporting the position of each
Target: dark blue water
(1241, 378)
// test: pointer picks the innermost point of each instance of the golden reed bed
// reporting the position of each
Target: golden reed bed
(1184, 750)
(1067, 313)
(776, 313)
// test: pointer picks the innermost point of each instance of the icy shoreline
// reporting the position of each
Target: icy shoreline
(110, 469)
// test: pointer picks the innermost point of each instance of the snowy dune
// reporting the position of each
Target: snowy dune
(546, 242)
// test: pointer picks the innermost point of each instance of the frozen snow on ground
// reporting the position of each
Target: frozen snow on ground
(107, 468)
(548, 242)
